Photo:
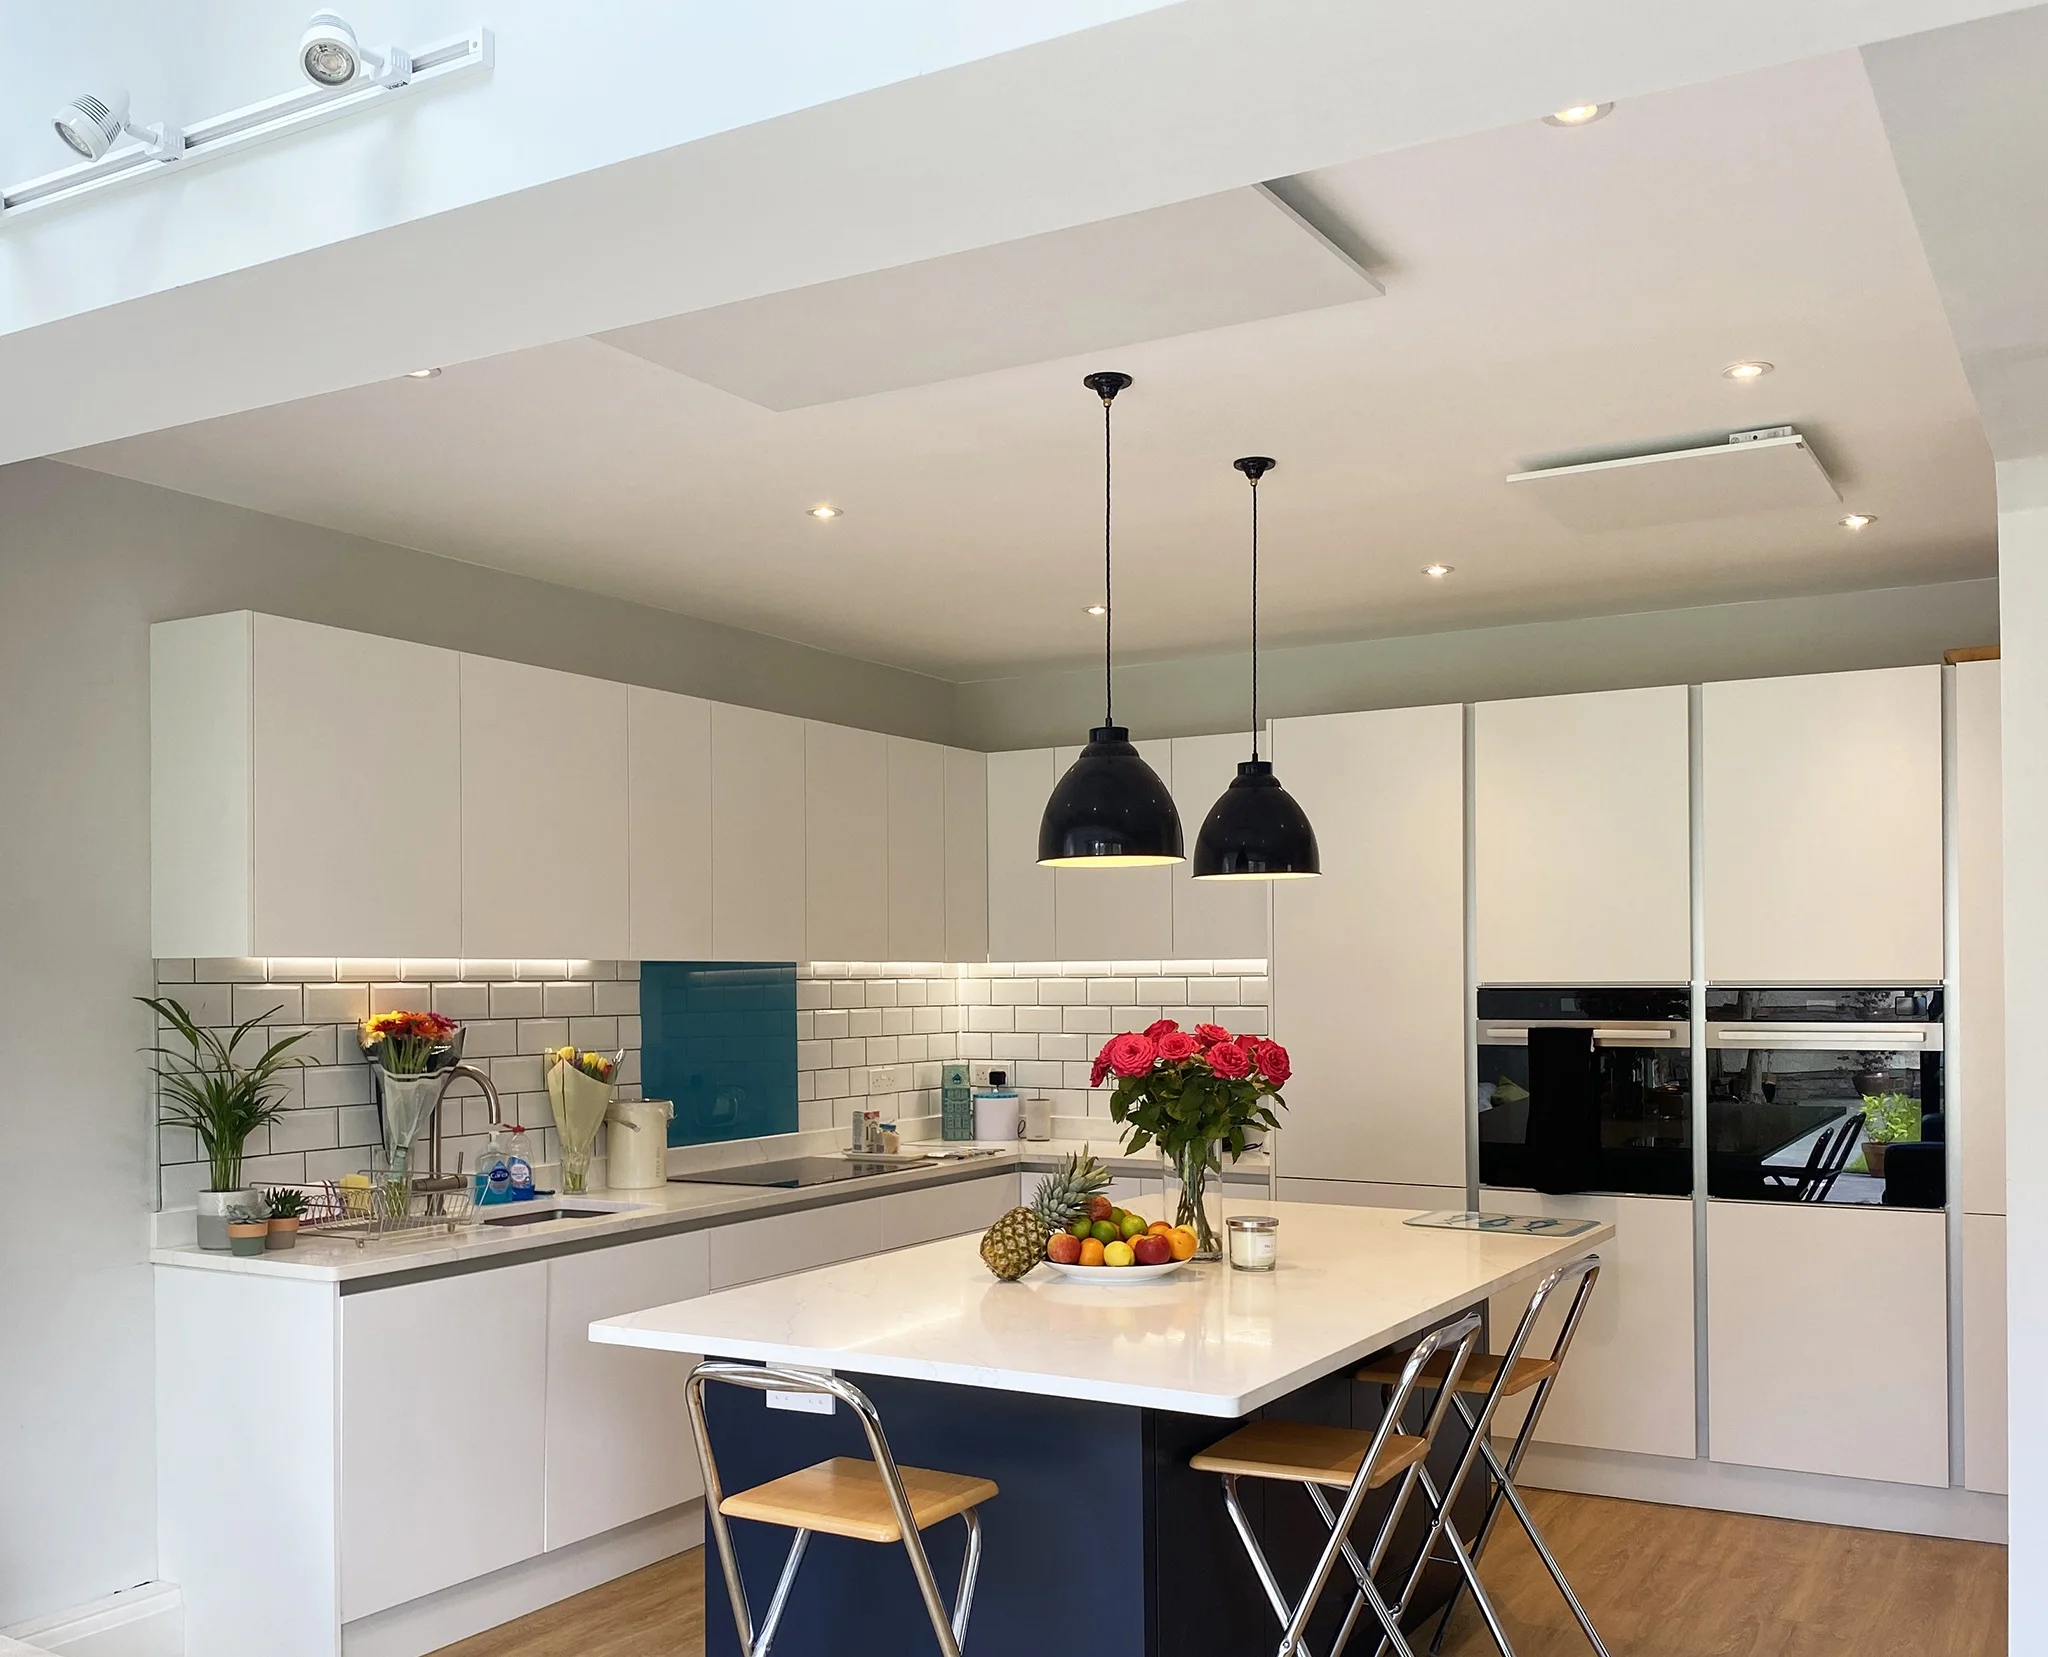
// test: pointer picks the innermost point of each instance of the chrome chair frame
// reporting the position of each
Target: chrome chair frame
(1585, 1272)
(1294, 1619)
(950, 1628)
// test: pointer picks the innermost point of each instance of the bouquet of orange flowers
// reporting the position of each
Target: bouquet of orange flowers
(411, 1044)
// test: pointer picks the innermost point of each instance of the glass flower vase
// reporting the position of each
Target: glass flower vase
(1198, 1200)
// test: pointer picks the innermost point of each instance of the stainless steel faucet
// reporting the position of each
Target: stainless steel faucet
(490, 1092)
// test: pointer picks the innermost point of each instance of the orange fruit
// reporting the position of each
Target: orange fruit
(1091, 1251)
(1183, 1241)
(1159, 1228)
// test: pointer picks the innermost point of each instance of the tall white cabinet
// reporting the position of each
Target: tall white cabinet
(1582, 822)
(668, 745)
(1368, 961)
(967, 856)
(758, 835)
(1822, 804)
(846, 843)
(1020, 892)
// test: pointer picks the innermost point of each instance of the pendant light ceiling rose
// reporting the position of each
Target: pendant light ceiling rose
(1110, 810)
(1256, 830)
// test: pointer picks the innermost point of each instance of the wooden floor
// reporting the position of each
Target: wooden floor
(1658, 1581)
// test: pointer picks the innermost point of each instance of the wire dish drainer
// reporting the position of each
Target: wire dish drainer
(365, 1214)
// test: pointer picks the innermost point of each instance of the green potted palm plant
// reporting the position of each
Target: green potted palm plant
(211, 1090)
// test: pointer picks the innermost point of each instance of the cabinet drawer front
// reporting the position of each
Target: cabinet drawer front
(923, 1216)
(784, 1243)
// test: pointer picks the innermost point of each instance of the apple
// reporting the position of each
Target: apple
(1064, 1248)
(1100, 1208)
(1152, 1250)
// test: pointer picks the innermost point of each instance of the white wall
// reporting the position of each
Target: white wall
(2023, 607)
(86, 563)
(1831, 633)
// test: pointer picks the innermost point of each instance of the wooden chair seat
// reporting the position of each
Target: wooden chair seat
(1478, 1375)
(1306, 1453)
(846, 1497)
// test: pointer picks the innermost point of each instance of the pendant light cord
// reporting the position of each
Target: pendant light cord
(1108, 598)
(1255, 618)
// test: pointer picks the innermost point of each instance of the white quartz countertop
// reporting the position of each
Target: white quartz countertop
(1205, 1341)
(664, 1208)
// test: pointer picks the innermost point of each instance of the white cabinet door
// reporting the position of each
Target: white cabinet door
(1984, 1357)
(1583, 828)
(757, 835)
(1114, 914)
(668, 745)
(544, 811)
(1369, 961)
(967, 856)
(1213, 919)
(1976, 1057)
(1827, 1340)
(358, 852)
(945, 1211)
(618, 1443)
(432, 1376)
(846, 843)
(1020, 892)
(917, 851)
(1628, 1379)
(784, 1243)
(1823, 828)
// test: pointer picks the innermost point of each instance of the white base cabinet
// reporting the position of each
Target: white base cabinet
(1628, 1381)
(1827, 1343)
(1984, 1385)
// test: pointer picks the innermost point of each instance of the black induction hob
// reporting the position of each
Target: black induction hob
(794, 1172)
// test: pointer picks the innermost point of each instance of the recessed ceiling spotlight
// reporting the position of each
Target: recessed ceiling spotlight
(1859, 520)
(1436, 572)
(423, 373)
(1746, 370)
(1578, 115)
(822, 511)
(1098, 609)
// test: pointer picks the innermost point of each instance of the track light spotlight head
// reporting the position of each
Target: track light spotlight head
(329, 53)
(91, 125)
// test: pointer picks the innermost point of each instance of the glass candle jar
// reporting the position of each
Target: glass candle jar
(1254, 1242)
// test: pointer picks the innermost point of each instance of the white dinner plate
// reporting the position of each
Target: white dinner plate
(1115, 1274)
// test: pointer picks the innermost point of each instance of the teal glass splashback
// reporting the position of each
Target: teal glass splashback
(719, 1038)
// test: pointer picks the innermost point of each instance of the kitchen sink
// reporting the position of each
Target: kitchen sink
(526, 1214)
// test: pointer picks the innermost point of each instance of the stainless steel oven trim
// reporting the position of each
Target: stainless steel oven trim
(1861, 1038)
(1667, 1034)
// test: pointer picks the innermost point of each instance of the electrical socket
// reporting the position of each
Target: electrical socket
(889, 1078)
(806, 1403)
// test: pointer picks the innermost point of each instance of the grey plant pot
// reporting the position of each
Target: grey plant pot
(213, 1207)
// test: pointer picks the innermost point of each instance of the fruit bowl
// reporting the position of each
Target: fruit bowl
(1115, 1274)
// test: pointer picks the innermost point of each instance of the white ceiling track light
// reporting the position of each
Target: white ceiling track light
(342, 78)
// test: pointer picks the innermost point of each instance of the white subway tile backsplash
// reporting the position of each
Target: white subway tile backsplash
(490, 1038)
(543, 970)
(880, 992)
(1013, 1047)
(913, 992)
(174, 972)
(972, 992)
(470, 969)
(849, 992)
(314, 970)
(1162, 989)
(232, 969)
(812, 993)
(1222, 991)
(336, 1003)
(618, 997)
(305, 1130)
(928, 1021)
(595, 1035)
(1067, 1047)
(273, 1003)
(358, 1125)
(829, 1024)
(395, 998)
(1012, 992)
(1035, 1019)
(1251, 1021)
(898, 1021)
(337, 1084)
(1112, 992)
(1034, 1073)
(1255, 991)
(537, 1035)
(1134, 969)
(429, 972)
(970, 1044)
(1062, 992)
(864, 1021)
(850, 1050)
(569, 1000)
(1094, 1021)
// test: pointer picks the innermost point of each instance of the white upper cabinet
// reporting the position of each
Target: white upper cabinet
(1976, 1062)
(757, 835)
(917, 851)
(1823, 828)
(1582, 819)
(1113, 914)
(966, 856)
(544, 812)
(846, 843)
(1020, 892)
(1369, 961)
(669, 777)
(305, 791)
(1213, 919)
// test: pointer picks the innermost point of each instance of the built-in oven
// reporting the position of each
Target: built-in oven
(1826, 1096)
(1586, 1089)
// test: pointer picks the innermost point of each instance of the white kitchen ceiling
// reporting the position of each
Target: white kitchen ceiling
(1551, 296)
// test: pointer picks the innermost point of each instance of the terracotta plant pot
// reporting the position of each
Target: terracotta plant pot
(1873, 1157)
(248, 1237)
(283, 1234)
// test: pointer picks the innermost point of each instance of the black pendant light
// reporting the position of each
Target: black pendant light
(1256, 831)
(1110, 811)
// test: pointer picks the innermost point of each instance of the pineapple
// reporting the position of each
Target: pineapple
(1016, 1242)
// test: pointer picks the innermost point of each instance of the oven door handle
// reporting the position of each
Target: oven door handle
(1632, 1038)
(1861, 1038)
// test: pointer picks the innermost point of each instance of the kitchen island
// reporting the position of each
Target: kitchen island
(1083, 1404)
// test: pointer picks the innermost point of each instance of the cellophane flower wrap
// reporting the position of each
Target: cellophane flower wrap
(1196, 1094)
(411, 1044)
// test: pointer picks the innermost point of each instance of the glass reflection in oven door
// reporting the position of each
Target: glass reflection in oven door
(1825, 1110)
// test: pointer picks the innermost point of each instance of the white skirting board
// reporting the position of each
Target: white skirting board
(436, 1620)
(148, 1621)
(1865, 1504)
